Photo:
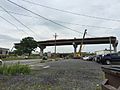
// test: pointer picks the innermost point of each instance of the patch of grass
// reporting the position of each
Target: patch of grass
(14, 69)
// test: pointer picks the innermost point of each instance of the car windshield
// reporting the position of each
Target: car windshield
(114, 54)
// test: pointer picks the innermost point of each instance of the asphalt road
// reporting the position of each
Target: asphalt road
(27, 61)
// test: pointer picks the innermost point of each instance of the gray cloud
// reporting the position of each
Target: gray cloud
(46, 29)
(6, 38)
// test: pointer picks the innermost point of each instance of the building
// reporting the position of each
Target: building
(103, 52)
(4, 51)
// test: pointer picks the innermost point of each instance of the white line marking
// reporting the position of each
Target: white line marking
(46, 67)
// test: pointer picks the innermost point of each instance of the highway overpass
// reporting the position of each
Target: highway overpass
(77, 41)
(96, 40)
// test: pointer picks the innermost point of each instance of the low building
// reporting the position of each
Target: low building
(4, 51)
(103, 52)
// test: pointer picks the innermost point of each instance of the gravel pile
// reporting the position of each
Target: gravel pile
(61, 75)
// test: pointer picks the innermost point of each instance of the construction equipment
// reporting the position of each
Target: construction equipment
(79, 53)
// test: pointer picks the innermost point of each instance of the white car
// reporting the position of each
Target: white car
(86, 58)
(1, 62)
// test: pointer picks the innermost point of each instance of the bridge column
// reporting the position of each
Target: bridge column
(75, 48)
(115, 46)
(42, 50)
(115, 49)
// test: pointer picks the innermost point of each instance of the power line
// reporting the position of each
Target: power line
(84, 15)
(18, 13)
(38, 17)
(13, 24)
(61, 21)
(85, 25)
(18, 20)
(45, 18)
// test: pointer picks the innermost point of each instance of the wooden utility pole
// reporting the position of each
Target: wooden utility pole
(110, 44)
(55, 42)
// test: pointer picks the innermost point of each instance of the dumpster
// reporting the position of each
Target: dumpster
(112, 78)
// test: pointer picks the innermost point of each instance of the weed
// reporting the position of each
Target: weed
(14, 69)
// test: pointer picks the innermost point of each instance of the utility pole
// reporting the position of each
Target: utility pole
(110, 44)
(55, 43)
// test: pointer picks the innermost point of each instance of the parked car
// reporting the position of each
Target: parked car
(110, 58)
(86, 58)
(98, 58)
(26, 57)
(89, 58)
(44, 58)
(1, 62)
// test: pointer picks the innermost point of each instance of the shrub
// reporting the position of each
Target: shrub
(14, 69)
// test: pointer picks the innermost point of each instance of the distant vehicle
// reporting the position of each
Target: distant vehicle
(1, 62)
(110, 58)
(89, 58)
(86, 58)
(26, 57)
(98, 58)
(44, 58)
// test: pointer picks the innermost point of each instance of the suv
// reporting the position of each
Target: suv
(110, 58)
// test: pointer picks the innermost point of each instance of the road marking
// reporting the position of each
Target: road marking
(37, 65)
(46, 66)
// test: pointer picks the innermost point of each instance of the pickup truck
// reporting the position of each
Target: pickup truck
(110, 58)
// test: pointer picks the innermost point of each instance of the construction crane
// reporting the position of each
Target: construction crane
(79, 54)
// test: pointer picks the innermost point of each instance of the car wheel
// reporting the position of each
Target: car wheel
(98, 61)
(1, 63)
(108, 62)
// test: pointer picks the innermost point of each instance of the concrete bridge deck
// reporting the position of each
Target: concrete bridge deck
(96, 40)
(77, 41)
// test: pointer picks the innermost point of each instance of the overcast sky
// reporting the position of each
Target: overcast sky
(42, 29)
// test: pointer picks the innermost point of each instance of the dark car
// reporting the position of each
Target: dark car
(44, 58)
(110, 58)
(98, 58)
(91, 58)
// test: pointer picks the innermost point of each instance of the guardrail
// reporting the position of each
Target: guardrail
(112, 81)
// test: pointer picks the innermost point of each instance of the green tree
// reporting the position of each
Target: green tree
(26, 46)
(18, 51)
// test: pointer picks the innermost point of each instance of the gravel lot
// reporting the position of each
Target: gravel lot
(59, 75)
